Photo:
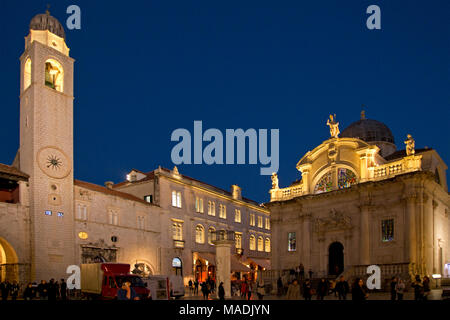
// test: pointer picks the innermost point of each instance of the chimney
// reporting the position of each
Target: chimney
(109, 184)
(236, 192)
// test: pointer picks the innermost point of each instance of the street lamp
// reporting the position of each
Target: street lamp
(436, 277)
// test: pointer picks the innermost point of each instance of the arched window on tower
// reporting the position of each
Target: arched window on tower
(54, 75)
(27, 74)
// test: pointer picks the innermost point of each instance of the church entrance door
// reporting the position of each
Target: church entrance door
(335, 258)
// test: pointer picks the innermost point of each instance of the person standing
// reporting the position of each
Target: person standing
(279, 286)
(63, 289)
(426, 287)
(126, 292)
(196, 286)
(342, 288)
(250, 289)
(52, 290)
(190, 284)
(302, 272)
(205, 291)
(307, 289)
(418, 288)
(358, 291)
(310, 272)
(28, 293)
(293, 292)
(42, 290)
(260, 291)
(400, 289)
(322, 289)
(14, 290)
(221, 292)
(393, 291)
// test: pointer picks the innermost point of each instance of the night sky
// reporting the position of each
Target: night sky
(144, 69)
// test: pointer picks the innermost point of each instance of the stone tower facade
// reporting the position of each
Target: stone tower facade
(46, 145)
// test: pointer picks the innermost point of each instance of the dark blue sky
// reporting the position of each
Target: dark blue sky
(146, 68)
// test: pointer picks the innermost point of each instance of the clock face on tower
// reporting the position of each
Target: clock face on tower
(54, 162)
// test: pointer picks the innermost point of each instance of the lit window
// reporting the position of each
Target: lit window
(346, 178)
(292, 244)
(48, 213)
(54, 75)
(260, 222)
(60, 214)
(237, 215)
(222, 211)
(176, 199)
(211, 208)
(252, 244)
(199, 234)
(198, 205)
(211, 235)
(149, 198)
(238, 240)
(177, 231)
(267, 223)
(267, 245)
(27, 74)
(260, 244)
(387, 230)
(252, 219)
(325, 184)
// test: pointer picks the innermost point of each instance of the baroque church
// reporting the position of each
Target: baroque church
(360, 202)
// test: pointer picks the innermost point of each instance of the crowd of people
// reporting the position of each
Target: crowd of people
(52, 290)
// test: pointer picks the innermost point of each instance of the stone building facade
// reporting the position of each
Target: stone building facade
(360, 202)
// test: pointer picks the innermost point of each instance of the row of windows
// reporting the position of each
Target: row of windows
(113, 216)
(177, 234)
(387, 234)
(260, 221)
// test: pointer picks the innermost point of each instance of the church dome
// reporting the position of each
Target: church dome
(372, 132)
(368, 130)
(45, 21)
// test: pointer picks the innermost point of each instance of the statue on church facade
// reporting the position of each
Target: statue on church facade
(334, 126)
(410, 145)
(274, 181)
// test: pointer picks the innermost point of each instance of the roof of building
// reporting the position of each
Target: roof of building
(402, 153)
(368, 130)
(45, 21)
(98, 188)
(12, 172)
(150, 176)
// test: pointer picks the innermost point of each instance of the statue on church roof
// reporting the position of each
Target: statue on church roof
(334, 126)
(410, 145)
(274, 181)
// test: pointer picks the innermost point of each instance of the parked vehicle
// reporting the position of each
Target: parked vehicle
(103, 280)
(165, 287)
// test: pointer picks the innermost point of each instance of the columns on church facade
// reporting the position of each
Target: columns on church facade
(411, 228)
(306, 241)
(364, 241)
(428, 234)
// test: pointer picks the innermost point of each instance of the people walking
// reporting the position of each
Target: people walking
(393, 291)
(358, 291)
(244, 288)
(196, 286)
(293, 292)
(191, 286)
(342, 288)
(322, 289)
(307, 289)
(221, 292)
(205, 290)
(400, 289)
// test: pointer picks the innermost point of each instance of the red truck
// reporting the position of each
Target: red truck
(103, 280)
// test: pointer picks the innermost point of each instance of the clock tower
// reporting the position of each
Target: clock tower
(46, 145)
